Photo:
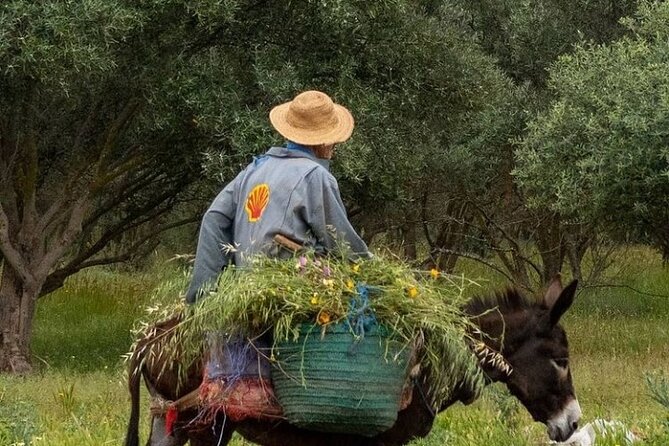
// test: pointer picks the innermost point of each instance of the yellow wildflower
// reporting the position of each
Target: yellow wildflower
(314, 299)
(328, 283)
(434, 273)
(356, 268)
(349, 285)
(323, 318)
(412, 292)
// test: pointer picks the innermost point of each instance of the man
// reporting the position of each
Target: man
(287, 191)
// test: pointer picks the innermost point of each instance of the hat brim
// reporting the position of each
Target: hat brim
(338, 134)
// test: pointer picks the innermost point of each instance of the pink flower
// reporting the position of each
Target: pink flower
(301, 264)
(327, 271)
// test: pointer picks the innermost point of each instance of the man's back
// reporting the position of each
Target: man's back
(272, 197)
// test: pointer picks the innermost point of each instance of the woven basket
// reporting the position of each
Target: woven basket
(339, 384)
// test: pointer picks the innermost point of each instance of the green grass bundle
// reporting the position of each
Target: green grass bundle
(279, 295)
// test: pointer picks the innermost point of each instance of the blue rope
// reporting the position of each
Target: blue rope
(229, 357)
(361, 316)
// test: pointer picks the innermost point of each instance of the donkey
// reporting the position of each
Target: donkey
(534, 346)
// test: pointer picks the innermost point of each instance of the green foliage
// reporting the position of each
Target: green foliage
(18, 424)
(413, 85)
(600, 152)
(221, 65)
(438, 90)
(527, 36)
(658, 386)
(279, 295)
(62, 43)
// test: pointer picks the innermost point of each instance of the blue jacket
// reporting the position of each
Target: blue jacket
(285, 191)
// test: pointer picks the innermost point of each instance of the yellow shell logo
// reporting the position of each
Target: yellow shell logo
(256, 202)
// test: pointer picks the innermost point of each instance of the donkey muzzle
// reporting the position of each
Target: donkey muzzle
(565, 423)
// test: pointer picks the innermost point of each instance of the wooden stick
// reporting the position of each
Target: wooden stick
(284, 241)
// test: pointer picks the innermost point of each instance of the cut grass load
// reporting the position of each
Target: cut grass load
(280, 295)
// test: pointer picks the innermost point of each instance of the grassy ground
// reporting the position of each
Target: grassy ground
(78, 395)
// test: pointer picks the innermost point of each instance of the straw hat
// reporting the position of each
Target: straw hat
(312, 119)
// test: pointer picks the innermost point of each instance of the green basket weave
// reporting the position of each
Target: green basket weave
(338, 384)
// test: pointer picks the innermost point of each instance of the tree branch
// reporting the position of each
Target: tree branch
(29, 188)
(124, 191)
(424, 219)
(66, 194)
(644, 293)
(486, 263)
(149, 211)
(133, 162)
(114, 131)
(57, 278)
(10, 253)
(90, 117)
(516, 248)
(63, 242)
(9, 187)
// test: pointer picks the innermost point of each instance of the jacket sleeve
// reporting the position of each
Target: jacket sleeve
(325, 214)
(216, 233)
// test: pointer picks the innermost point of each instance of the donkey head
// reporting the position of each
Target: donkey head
(536, 348)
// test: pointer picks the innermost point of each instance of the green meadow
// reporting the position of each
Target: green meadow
(78, 394)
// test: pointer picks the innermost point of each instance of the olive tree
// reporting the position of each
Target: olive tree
(99, 139)
(526, 244)
(600, 152)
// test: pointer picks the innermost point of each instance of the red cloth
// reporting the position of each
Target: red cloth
(170, 419)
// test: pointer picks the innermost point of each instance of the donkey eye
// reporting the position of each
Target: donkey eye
(562, 363)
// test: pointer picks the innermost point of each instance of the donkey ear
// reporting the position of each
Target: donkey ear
(563, 302)
(553, 291)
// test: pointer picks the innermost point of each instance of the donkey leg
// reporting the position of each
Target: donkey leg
(159, 436)
(210, 439)
(217, 434)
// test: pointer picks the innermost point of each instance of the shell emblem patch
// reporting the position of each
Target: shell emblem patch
(257, 201)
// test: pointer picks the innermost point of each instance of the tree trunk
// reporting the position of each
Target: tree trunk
(551, 243)
(447, 262)
(409, 241)
(17, 308)
(577, 245)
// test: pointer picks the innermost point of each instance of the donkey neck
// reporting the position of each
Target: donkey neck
(505, 321)
(504, 330)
